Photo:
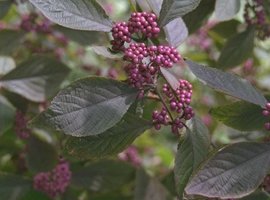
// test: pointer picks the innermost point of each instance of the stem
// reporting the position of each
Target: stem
(164, 104)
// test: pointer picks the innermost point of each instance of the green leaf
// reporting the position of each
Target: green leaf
(84, 38)
(258, 195)
(170, 77)
(4, 7)
(227, 83)
(6, 64)
(191, 152)
(7, 114)
(176, 31)
(103, 51)
(36, 79)
(226, 10)
(10, 40)
(148, 188)
(237, 49)
(240, 115)
(79, 14)
(89, 106)
(35, 195)
(233, 172)
(226, 29)
(172, 9)
(103, 176)
(12, 187)
(41, 156)
(196, 18)
(109, 143)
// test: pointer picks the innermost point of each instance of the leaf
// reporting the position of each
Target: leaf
(103, 176)
(170, 77)
(148, 188)
(237, 49)
(176, 32)
(79, 14)
(233, 172)
(41, 156)
(172, 9)
(226, 29)
(109, 143)
(227, 83)
(226, 10)
(258, 195)
(12, 187)
(35, 195)
(36, 79)
(4, 7)
(191, 152)
(6, 64)
(195, 19)
(7, 114)
(103, 51)
(240, 115)
(89, 106)
(84, 38)
(10, 40)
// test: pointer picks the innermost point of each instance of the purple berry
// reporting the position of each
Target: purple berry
(267, 126)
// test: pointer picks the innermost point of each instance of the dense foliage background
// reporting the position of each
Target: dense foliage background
(57, 141)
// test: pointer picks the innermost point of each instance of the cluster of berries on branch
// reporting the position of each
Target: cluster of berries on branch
(179, 110)
(255, 15)
(266, 113)
(55, 182)
(144, 63)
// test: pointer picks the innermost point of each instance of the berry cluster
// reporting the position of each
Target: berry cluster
(130, 155)
(21, 126)
(140, 22)
(255, 15)
(144, 65)
(32, 23)
(164, 56)
(144, 23)
(266, 113)
(144, 61)
(55, 182)
(179, 101)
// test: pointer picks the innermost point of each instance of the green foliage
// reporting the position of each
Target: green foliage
(226, 10)
(172, 9)
(89, 106)
(192, 150)
(103, 176)
(110, 142)
(10, 40)
(238, 48)
(41, 155)
(233, 172)
(35, 79)
(82, 15)
(240, 115)
(227, 83)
